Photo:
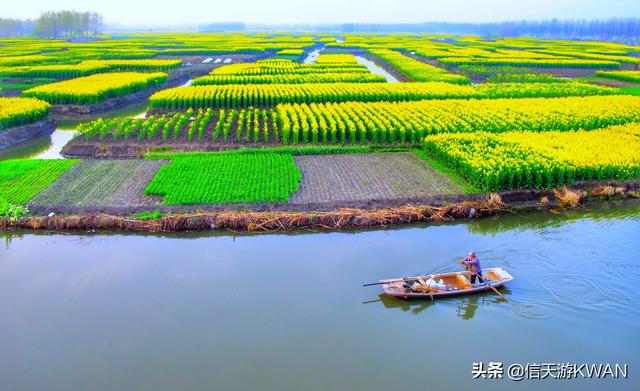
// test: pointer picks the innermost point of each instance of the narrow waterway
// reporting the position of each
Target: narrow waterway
(50, 147)
(312, 56)
(374, 68)
(288, 312)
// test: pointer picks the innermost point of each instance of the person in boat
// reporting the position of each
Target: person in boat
(473, 265)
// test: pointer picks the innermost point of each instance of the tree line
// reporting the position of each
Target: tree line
(54, 24)
(615, 29)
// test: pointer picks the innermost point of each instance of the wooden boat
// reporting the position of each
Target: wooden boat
(456, 283)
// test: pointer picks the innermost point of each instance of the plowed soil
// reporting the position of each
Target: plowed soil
(380, 176)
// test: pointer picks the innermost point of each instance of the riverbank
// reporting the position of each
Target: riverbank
(11, 137)
(202, 218)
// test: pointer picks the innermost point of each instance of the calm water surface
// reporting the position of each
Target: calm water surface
(374, 68)
(288, 312)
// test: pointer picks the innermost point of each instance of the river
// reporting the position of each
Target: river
(288, 312)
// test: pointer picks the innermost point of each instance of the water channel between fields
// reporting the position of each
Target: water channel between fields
(287, 311)
(50, 146)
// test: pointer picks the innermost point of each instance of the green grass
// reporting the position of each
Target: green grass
(631, 90)
(23, 84)
(229, 178)
(147, 215)
(18, 86)
(21, 180)
(467, 187)
(289, 149)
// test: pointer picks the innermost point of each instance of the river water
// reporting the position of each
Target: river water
(374, 68)
(50, 146)
(288, 312)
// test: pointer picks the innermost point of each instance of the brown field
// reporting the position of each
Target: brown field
(358, 177)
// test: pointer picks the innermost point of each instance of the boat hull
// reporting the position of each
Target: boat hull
(457, 284)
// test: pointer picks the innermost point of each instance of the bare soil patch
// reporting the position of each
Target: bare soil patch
(359, 177)
(96, 184)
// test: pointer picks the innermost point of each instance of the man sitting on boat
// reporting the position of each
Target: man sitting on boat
(473, 265)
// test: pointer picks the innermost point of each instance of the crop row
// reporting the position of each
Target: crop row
(376, 122)
(346, 77)
(96, 88)
(264, 95)
(629, 76)
(244, 125)
(231, 178)
(417, 70)
(20, 180)
(20, 111)
(402, 122)
(513, 160)
(287, 67)
(536, 63)
(89, 67)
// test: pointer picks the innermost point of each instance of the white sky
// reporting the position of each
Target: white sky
(173, 12)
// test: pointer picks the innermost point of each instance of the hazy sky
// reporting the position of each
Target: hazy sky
(158, 12)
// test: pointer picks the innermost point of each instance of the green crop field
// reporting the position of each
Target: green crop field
(20, 180)
(226, 179)
(439, 94)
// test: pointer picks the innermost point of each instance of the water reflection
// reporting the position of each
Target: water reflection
(27, 149)
(464, 306)
(45, 147)
(415, 307)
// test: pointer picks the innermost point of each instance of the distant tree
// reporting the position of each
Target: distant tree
(16, 27)
(67, 24)
(615, 29)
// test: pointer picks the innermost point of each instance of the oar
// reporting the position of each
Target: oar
(489, 285)
(390, 281)
(402, 279)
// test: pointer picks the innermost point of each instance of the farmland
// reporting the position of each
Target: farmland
(19, 111)
(318, 126)
(235, 96)
(20, 180)
(95, 183)
(540, 160)
(362, 177)
(386, 123)
(96, 88)
(226, 178)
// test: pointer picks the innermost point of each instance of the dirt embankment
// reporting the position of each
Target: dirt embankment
(19, 134)
(239, 219)
(109, 149)
(262, 221)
